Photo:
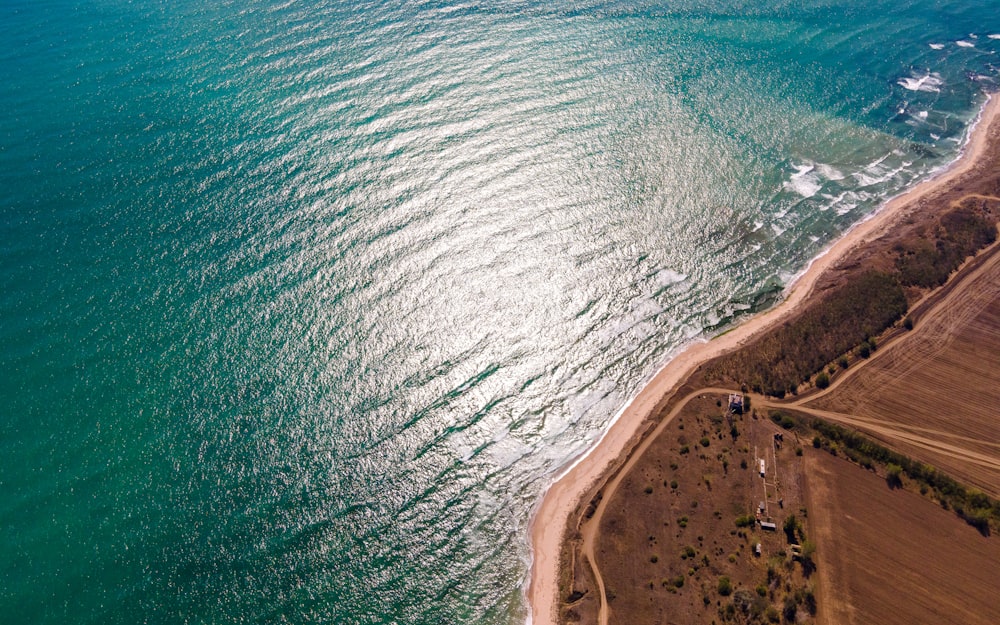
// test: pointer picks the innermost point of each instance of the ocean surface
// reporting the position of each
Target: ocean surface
(304, 303)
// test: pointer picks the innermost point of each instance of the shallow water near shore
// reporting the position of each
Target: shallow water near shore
(304, 303)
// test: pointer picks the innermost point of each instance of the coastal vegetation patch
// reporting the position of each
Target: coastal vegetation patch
(927, 262)
(778, 362)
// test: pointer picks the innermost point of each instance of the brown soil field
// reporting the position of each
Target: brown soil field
(669, 531)
(934, 393)
(891, 556)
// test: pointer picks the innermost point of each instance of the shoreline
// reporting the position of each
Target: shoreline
(549, 519)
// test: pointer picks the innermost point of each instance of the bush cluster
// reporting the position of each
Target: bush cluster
(975, 507)
(928, 263)
(791, 354)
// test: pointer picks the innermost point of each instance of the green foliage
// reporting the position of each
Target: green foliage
(809, 601)
(684, 449)
(790, 355)
(704, 441)
(864, 350)
(725, 586)
(790, 526)
(842, 362)
(789, 609)
(822, 381)
(893, 473)
(908, 323)
(747, 520)
(783, 419)
(808, 557)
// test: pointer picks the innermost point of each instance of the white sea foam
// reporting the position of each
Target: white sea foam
(993, 36)
(965, 44)
(936, 46)
(666, 277)
(829, 172)
(802, 170)
(922, 114)
(778, 230)
(843, 203)
(804, 181)
(930, 82)
(877, 174)
(935, 137)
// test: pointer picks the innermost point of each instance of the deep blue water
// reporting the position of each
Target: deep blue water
(303, 303)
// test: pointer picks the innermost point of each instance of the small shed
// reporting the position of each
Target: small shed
(736, 403)
(762, 467)
(768, 525)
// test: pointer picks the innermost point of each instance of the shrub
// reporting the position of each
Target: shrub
(725, 586)
(808, 555)
(842, 361)
(746, 520)
(809, 601)
(790, 608)
(791, 524)
(908, 323)
(684, 449)
(822, 381)
(893, 476)
(864, 350)
(704, 441)
(673, 484)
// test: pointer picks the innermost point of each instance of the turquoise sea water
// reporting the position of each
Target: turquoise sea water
(303, 303)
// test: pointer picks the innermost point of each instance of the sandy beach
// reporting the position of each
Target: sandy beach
(550, 518)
